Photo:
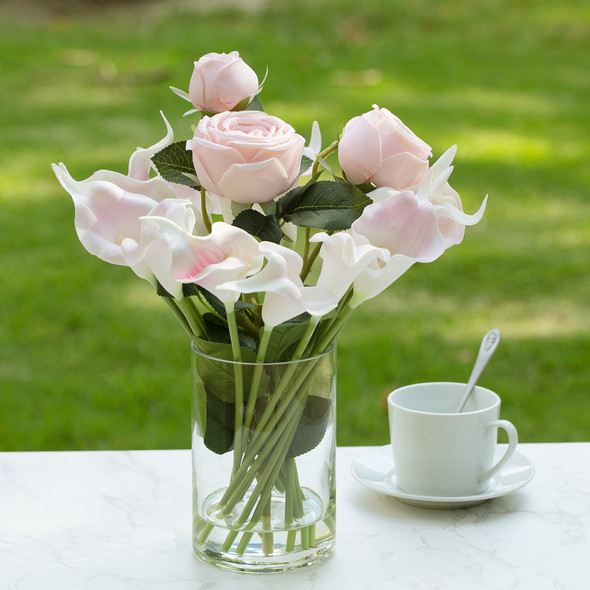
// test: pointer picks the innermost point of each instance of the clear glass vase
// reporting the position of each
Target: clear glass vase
(263, 453)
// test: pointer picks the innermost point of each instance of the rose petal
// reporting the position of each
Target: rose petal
(359, 151)
(400, 171)
(254, 183)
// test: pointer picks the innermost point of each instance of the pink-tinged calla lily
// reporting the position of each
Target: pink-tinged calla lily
(226, 254)
(108, 206)
(435, 190)
(405, 229)
(285, 294)
(150, 256)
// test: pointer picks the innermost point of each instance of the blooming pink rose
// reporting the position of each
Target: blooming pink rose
(246, 156)
(377, 147)
(220, 81)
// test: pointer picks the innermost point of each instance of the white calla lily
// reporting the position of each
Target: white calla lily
(285, 294)
(108, 206)
(140, 162)
(435, 189)
(312, 150)
(150, 256)
(226, 254)
(395, 231)
(344, 257)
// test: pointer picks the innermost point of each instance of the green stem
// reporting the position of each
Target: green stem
(204, 213)
(274, 436)
(288, 374)
(306, 246)
(198, 327)
(309, 262)
(267, 536)
(179, 315)
(247, 324)
(255, 383)
(268, 473)
(238, 383)
(229, 540)
(243, 544)
(330, 336)
(197, 314)
(312, 258)
(323, 154)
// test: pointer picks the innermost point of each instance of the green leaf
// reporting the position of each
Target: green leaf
(161, 291)
(217, 331)
(219, 429)
(285, 202)
(284, 338)
(327, 205)
(218, 376)
(306, 163)
(175, 164)
(190, 289)
(215, 303)
(255, 105)
(263, 227)
(312, 426)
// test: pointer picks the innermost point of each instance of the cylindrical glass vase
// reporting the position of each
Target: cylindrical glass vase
(263, 452)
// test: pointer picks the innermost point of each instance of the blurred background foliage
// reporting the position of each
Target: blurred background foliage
(91, 359)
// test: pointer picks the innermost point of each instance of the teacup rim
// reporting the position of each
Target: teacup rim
(495, 396)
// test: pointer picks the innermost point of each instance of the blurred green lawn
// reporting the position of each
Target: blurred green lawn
(91, 359)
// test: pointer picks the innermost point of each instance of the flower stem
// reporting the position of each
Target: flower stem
(238, 383)
(330, 336)
(306, 245)
(267, 536)
(193, 316)
(264, 443)
(323, 154)
(179, 315)
(204, 213)
(311, 259)
(255, 383)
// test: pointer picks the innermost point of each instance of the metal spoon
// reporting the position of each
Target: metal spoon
(488, 347)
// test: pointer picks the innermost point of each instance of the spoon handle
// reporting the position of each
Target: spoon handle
(486, 350)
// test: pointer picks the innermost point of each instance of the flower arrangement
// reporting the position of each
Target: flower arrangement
(260, 248)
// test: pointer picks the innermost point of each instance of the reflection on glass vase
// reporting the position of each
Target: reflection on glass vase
(263, 456)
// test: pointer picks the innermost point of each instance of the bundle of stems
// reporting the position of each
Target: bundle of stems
(262, 442)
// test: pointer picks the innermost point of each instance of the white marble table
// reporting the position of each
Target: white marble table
(121, 520)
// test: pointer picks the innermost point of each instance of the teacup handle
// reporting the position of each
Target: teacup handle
(512, 442)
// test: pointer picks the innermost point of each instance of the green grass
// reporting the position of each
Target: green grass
(91, 359)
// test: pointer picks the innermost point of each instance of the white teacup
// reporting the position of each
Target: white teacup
(438, 452)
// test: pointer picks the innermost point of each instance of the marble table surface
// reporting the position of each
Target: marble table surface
(121, 520)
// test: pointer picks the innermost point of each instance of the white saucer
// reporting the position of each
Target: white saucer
(375, 470)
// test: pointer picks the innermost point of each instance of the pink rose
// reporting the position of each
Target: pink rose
(246, 156)
(377, 147)
(220, 81)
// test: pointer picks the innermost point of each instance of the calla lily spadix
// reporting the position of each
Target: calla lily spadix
(226, 254)
(285, 295)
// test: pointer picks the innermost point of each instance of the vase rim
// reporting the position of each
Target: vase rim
(274, 363)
